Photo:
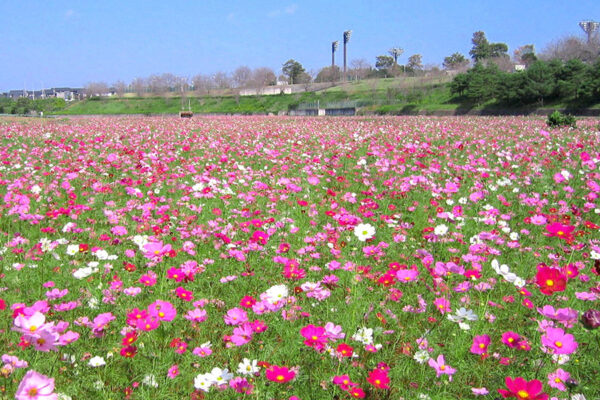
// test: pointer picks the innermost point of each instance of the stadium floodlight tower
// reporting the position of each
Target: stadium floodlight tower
(347, 35)
(396, 52)
(334, 47)
(590, 28)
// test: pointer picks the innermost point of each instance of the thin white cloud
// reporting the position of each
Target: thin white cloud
(289, 10)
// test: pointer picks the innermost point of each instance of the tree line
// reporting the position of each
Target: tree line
(568, 70)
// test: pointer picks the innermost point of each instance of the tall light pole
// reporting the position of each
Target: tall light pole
(589, 27)
(347, 35)
(334, 47)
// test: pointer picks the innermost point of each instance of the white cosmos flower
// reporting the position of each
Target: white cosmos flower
(421, 356)
(440, 230)
(72, 249)
(203, 382)
(364, 231)
(247, 367)
(221, 376)
(276, 293)
(96, 361)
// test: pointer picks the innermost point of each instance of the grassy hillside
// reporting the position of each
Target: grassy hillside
(405, 95)
(377, 95)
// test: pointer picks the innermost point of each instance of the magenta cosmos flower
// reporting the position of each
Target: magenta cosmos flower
(35, 386)
(559, 341)
(315, 336)
(279, 374)
(521, 389)
(480, 344)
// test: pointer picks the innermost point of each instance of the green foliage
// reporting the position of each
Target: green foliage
(454, 61)
(293, 70)
(384, 62)
(574, 83)
(558, 119)
(482, 49)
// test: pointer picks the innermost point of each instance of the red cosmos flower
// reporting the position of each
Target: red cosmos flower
(357, 393)
(379, 378)
(344, 350)
(247, 301)
(521, 389)
(279, 374)
(128, 351)
(550, 280)
(556, 229)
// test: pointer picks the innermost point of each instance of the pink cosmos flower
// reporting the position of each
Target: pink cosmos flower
(241, 385)
(156, 249)
(203, 351)
(558, 378)
(35, 386)
(523, 390)
(440, 367)
(558, 341)
(279, 374)
(196, 315)
(344, 382)
(242, 334)
(119, 230)
(407, 275)
(442, 304)
(173, 371)
(511, 339)
(235, 316)
(163, 310)
(480, 344)
(315, 336)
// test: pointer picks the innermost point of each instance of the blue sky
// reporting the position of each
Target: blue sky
(70, 43)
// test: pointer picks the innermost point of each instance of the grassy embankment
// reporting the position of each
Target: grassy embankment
(404, 95)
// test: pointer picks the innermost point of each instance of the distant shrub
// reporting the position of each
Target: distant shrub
(557, 119)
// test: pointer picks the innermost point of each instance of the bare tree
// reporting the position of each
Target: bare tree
(263, 76)
(360, 68)
(222, 80)
(241, 76)
(203, 84)
(139, 86)
(572, 47)
(95, 89)
(120, 88)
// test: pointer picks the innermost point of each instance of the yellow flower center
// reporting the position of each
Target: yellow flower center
(523, 394)
(32, 392)
(481, 346)
(32, 328)
(280, 378)
(557, 380)
(161, 314)
(442, 367)
(549, 282)
(510, 340)
(558, 344)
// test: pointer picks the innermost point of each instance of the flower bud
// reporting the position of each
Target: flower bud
(591, 319)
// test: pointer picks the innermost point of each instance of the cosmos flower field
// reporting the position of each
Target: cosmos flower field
(282, 258)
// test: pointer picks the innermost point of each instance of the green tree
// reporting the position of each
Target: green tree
(572, 77)
(292, 69)
(455, 61)
(541, 82)
(415, 62)
(481, 47)
(384, 62)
